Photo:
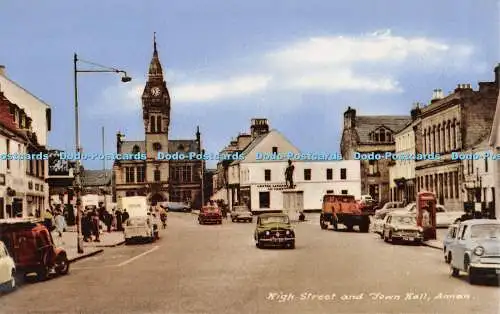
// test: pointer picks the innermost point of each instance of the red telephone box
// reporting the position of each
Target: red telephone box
(426, 214)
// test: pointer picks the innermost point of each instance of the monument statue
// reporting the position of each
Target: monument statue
(289, 174)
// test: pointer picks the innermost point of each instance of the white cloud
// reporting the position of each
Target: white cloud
(366, 63)
(233, 87)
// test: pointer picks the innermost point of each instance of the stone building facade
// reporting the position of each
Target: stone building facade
(454, 124)
(159, 179)
(371, 134)
(402, 171)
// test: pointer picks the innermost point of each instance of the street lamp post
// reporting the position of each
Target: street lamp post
(77, 174)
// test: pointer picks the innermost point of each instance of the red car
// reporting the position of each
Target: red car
(210, 215)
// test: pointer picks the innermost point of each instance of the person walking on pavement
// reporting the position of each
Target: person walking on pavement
(125, 216)
(119, 221)
(95, 225)
(60, 223)
(86, 226)
(48, 220)
(163, 217)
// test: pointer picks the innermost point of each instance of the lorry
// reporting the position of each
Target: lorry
(344, 209)
(90, 201)
(140, 224)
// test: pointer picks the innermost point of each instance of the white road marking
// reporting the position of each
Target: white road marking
(137, 257)
(93, 267)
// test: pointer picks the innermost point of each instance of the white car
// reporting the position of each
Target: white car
(7, 270)
(378, 220)
(444, 217)
(476, 249)
(451, 235)
(391, 205)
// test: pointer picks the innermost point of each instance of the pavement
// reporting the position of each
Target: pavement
(218, 269)
(68, 241)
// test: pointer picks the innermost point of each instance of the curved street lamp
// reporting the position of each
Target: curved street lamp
(78, 180)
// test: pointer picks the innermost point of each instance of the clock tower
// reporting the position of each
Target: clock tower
(156, 117)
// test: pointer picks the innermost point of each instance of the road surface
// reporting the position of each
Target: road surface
(218, 269)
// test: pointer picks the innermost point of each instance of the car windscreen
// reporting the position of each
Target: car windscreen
(241, 209)
(137, 222)
(274, 219)
(489, 231)
(404, 220)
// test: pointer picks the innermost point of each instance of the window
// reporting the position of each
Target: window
(136, 149)
(7, 142)
(267, 175)
(264, 200)
(152, 124)
(307, 174)
(462, 233)
(157, 146)
(343, 174)
(485, 164)
(186, 196)
(275, 150)
(372, 167)
(175, 196)
(141, 174)
(129, 175)
(130, 193)
(183, 174)
(329, 174)
(329, 191)
(158, 123)
(157, 175)
(345, 192)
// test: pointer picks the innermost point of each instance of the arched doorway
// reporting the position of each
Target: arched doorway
(155, 198)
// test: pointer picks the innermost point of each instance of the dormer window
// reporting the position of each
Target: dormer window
(381, 135)
(136, 149)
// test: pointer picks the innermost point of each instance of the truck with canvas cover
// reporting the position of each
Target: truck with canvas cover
(344, 209)
(139, 225)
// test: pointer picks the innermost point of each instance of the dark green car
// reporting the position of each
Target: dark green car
(274, 230)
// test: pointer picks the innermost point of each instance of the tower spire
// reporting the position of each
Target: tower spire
(155, 69)
(154, 43)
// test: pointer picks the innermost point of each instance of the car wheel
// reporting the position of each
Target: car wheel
(448, 258)
(62, 265)
(471, 273)
(12, 284)
(322, 223)
(381, 235)
(233, 220)
(259, 244)
(43, 273)
(292, 246)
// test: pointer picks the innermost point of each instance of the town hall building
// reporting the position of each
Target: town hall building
(159, 180)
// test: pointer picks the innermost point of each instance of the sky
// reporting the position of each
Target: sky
(299, 64)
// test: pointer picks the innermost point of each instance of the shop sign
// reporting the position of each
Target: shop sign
(274, 187)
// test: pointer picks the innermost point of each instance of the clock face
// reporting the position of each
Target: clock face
(155, 91)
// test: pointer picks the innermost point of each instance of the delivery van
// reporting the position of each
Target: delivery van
(139, 226)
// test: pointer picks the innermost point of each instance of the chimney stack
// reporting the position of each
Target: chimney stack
(437, 94)
(2, 70)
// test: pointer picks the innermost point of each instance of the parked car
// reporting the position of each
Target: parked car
(183, 207)
(391, 205)
(274, 229)
(378, 221)
(210, 215)
(444, 217)
(241, 213)
(7, 270)
(401, 226)
(450, 237)
(476, 249)
(32, 247)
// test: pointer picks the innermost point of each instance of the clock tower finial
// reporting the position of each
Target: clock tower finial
(154, 43)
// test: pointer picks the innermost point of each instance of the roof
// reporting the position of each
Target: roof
(182, 146)
(24, 90)
(96, 177)
(481, 222)
(251, 146)
(273, 215)
(128, 146)
(367, 124)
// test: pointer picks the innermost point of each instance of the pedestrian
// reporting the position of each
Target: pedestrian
(86, 226)
(60, 223)
(48, 220)
(95, 225)
(125, 216)
(108, 220)
(119, 221)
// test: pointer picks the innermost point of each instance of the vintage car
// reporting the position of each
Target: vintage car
(32, 247)
(241, 213)
(401, 226)
(210, 214)
(390, 205)
(7, 270)
(378, 221)
(451, 235)
(476, 249)
(274, 229)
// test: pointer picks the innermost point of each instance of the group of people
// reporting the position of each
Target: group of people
(93, 217)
